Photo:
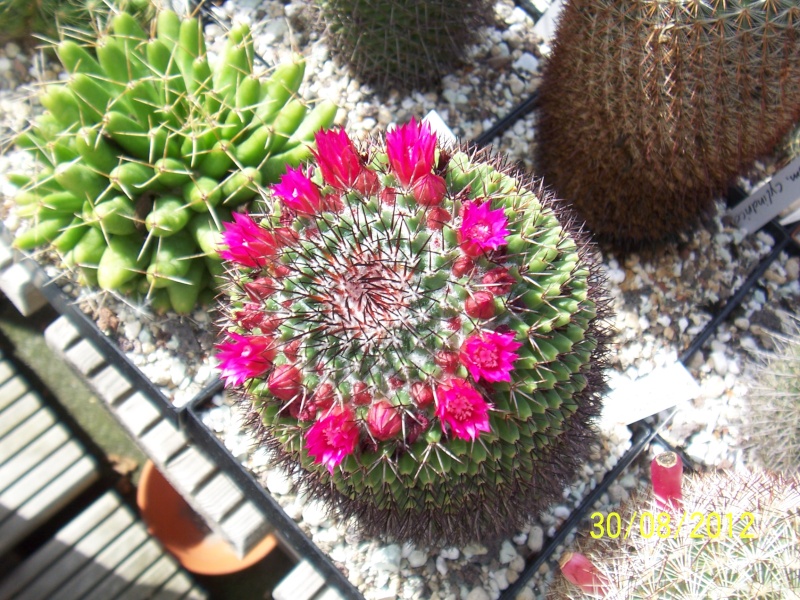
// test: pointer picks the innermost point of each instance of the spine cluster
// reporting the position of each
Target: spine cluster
(410, 44)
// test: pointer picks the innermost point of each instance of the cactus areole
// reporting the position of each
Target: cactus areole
(416, 332)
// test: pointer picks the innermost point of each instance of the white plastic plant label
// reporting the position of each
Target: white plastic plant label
(440, 128)
(659, 390)
(768, 200)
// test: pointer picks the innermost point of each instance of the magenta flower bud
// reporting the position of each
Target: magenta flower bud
(429, 189)
(482, 229)
(422, 393)
(247, 242)
(480, 305)
(367, 183)
(437, 217)
(292, 349)
(337, 158)
(253, 316)
(260, 288)
(298, 192)
(446, 360)
(361, 394)
(323, 397)
(410, 149)
(499, 281)
(462, 265)
(418, 425)
(388, 196)
(384, 420)
(285, 382)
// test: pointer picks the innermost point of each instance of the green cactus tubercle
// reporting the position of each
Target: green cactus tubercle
(147, 148)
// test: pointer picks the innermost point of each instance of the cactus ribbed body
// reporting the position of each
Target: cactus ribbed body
(429, 342)
(406, 44)
(650, 108)
(146, 148)
(739, 540)
(772, 428)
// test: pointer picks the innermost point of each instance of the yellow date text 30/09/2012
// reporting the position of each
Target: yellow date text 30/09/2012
(697, 525)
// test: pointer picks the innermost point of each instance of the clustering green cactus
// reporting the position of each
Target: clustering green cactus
(772, 427)
(730, 535)
(418, 332)
(20, 19)
(406, 45)
(649, 109)
(147, 148)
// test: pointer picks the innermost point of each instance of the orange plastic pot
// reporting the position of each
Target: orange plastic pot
(183, 533)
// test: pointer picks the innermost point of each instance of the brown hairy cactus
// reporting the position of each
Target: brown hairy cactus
(650, 108)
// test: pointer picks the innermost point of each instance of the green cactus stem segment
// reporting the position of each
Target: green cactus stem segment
(141, 136)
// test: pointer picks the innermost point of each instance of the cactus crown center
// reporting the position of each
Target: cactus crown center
(365, 296)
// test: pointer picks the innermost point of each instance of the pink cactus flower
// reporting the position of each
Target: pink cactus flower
(384, 420)
(298, 192)
(247, 242)
(337, 158)
(489, 356)
(244, 357)
(462, 408)
(332, 438)
(410, 149)
(482, 229)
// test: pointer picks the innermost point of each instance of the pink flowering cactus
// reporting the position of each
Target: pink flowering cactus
(462, 408)
(414, 361)
(482, 229)
(330, 439)
(298, 192)
(245, 357)
(490, 356)
(246, 243)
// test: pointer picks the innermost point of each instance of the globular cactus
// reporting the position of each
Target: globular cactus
(419, 333)
(725, 535)
(20, 19)
(410, 44)
(147, 148)
(649, 109)
(772, 426)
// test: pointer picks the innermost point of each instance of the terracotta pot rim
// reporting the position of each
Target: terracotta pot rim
(181, 532)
